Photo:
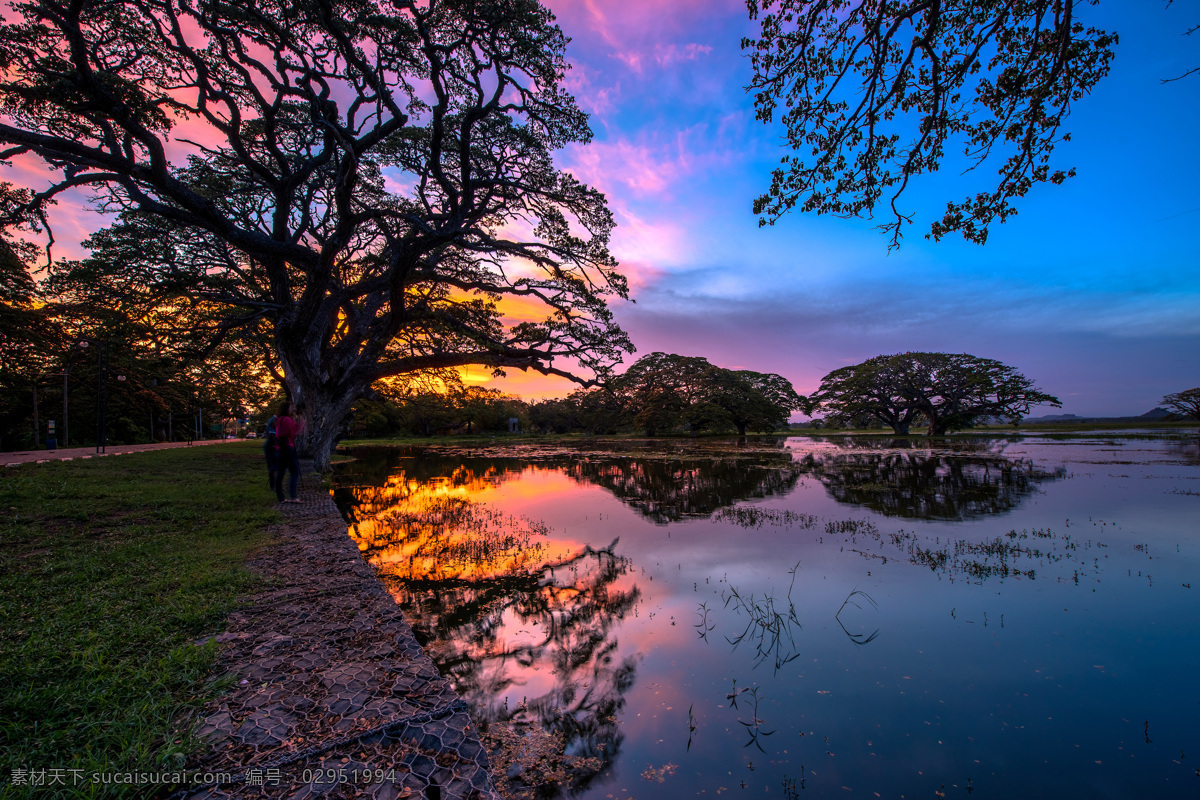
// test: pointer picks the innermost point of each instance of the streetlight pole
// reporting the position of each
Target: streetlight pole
(75, 350)
(36, 431)
(80, 346)
(101, 395)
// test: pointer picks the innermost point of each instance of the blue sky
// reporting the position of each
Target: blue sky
(1093, 290)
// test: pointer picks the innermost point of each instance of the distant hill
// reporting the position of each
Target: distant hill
(1153, 415)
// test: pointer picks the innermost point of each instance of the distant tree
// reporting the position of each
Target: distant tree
(26, 329)
(30, 338)
(376, 418)
(1185, 403)
(756, 400)
(663, 391)
(367, 179)
(556, 415)
(875, 92)
(949, 390)
(484, 410)
(873, 390)
(599, 411)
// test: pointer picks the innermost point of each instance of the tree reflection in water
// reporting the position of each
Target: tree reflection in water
(894, 479)
(665, 491)
(663, 482)
(506, 614)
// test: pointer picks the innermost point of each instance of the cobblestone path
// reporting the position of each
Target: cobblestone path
(332, 695)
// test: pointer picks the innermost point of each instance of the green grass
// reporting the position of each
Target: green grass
(110, 569)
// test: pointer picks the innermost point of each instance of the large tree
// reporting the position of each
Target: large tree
(873, 92)
(948, 390)
(370, 179)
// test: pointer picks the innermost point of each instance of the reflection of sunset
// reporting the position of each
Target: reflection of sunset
(439, 530)
(522, 621)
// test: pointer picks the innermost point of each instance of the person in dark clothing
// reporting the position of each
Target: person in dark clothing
(286, 429)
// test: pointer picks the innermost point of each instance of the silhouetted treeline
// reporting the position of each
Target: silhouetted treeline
(661, 393)
(149, 371)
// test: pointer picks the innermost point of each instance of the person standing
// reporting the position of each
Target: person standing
(286, 429)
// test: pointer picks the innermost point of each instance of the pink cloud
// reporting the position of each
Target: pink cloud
(654, 165)
(643, 241)
(623, 167)
(585, 85)
(621, 24)
(644, 33)
(640, 274)
(672, 53)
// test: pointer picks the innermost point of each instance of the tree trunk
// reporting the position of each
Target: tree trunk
(319, 444)
(325, 421)
(741, 426)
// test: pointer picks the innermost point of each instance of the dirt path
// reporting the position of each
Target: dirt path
(332, 695)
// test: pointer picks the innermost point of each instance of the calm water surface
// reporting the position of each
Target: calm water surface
(991, 618)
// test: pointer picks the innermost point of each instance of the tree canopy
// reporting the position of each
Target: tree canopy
(662, 391)
(362, 183)
(873, 92)
(1185, 403)
(948, 391)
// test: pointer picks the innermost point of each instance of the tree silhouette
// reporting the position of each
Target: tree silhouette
(368, 180)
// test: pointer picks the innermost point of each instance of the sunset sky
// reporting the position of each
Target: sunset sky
(1093, 290)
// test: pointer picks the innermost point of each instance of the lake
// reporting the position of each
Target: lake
(992, 617)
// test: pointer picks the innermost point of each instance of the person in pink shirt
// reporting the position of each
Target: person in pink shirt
(287, 427)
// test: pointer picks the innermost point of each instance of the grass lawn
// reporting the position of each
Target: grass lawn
(110, 569)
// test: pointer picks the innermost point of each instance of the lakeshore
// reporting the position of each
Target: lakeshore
(169, 628)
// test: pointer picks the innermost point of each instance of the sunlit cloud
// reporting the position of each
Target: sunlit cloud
(526, 384)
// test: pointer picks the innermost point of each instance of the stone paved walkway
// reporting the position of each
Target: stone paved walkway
(332, 695)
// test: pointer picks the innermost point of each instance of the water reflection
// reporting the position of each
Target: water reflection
(929, 653)
(503, 611)
(667, 491)
(771, 625)
(663, 483)
(920, 484)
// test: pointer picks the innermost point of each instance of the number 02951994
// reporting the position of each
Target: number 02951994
(356, 776)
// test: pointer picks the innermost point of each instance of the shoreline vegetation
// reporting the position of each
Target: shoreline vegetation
(916, 434)
(111, 571)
